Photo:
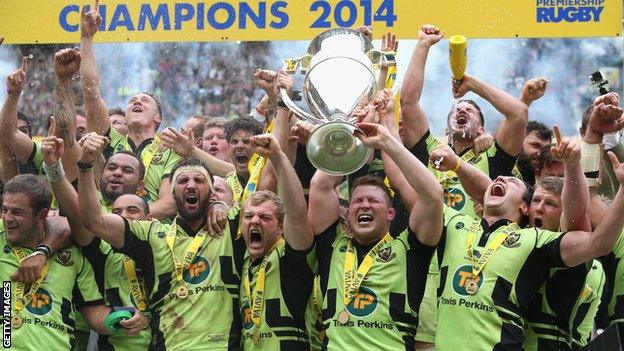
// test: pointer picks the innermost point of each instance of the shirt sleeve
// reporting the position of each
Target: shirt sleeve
(500, 162)
(117, 143)
(85, 292)
(34, 163)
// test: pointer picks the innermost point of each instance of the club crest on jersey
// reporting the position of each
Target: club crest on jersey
(512, 240)
(364, 303)
(461, 276)
(198, 271)
(64, 257)
(454, 198)
(459, 225)
(6, 249)
(343, 248)
(158, 158)
(41, 302)
(160, 234)
(385, 254)
(246, 312)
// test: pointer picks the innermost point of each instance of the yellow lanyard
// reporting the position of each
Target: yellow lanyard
(148, 155)
(352, 280)
(237, 189)
(135, 286)
(190, 253)
(22, 299)
(257, 299)
(478, 263)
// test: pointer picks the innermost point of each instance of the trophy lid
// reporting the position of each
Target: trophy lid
(317, 43)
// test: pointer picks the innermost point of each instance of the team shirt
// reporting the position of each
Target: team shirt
(314, 317)
(114, 283)
(207, 317)
(157, 160)
(587, 305)
(614, 270)
(34, 164)
(48, 320)
(383, 315)
(491, 318)
(288, 284)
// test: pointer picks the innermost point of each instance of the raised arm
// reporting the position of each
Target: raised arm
(512, 130)
(95, 106)
(53, 152)
(18, 142)
(473, 180)
(578, 247)
(414, 120)
(575, 193)
(297, 229)
(427, 214)
(323, 208)
(185, 146)
(108, 227)
(533, 89)
(66, 64)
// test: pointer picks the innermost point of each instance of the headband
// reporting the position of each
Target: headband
(186, 169)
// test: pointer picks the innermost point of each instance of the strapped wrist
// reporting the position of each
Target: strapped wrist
(55, 172)
(591, 160)
(85, 166)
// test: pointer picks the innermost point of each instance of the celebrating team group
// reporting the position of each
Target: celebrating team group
(224, 236)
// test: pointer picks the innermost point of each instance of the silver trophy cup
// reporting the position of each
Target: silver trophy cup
(340, 70)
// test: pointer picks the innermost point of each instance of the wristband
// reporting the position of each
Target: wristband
(591, 157)
(36, 253)
(459, 161)
(44, 248)
(85, 166)
(219, 203)
(54, 173)
(610, 140)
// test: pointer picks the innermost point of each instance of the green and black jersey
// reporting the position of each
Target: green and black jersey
(289, 276)
(586, 306)
(492, 317)
(613, 265)
(384, 312)
(494, 162)
(48, 320)
(158, 161)
(113, 283)
(34, 164)
(208, 318)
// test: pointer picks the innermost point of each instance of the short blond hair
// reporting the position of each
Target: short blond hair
(262, 196)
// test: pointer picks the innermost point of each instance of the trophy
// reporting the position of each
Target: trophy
(340, 68)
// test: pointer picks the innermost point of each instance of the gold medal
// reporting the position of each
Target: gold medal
(321, 335)
(343, 317)
(182, 292)
(255, 337)
(472, 286)
(16, 322)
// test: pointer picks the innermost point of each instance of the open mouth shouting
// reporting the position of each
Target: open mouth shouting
(255, 238)
(538, 223)
(241, 158)
(364, 218)
(191, 200)
(498, 190)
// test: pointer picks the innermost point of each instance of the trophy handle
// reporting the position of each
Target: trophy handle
(296, 110)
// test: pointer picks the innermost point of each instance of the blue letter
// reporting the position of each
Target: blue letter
(121, 18)
(282, 15)
(200, 16)
(162, 12)
(183, 17)
(542, 15)
(231, 15)
(63, 18)
(259, 20)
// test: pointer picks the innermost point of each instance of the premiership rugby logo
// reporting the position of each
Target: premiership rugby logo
(454, 198)
(198, 271)
(41, 302)
(461, 276)
(364, 303)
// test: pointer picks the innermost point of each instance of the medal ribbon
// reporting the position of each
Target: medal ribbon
(257, 299)
(352, 281)
(479, 263)
(150, 152)
(135, 286)
(190, 252)
(22, 299)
